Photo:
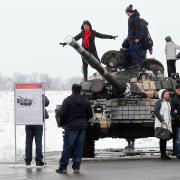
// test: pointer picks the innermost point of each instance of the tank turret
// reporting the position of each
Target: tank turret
(24, 101)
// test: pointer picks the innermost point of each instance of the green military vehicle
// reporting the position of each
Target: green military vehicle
(122, 97)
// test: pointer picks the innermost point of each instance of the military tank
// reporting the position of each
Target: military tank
(122, 97)
(24, 101)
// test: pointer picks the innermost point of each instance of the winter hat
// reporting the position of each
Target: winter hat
(168, 39)
(161, 93)
(130, 9)
(177, 85)
(76, 88)
(86, 22)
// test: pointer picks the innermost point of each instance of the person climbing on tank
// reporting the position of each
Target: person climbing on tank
(125, 51)
(146, 40)
(170, 51)
(88, 42)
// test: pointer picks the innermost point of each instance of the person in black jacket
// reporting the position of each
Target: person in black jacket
(88, 42)
(175, 112)
(134, 34)
(74, 114)
(37, 132)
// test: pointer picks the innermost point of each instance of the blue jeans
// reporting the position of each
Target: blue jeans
(73, 145)
(178, 142)
(135, 53)
(143, 53)
(31, 132)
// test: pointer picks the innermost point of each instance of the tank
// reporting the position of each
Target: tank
(24, 101)
(122, 96)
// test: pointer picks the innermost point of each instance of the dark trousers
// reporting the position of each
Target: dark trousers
(85, 65)
(171, 67)
(143, 54)
(162, 144)
(31, 132)
(73, 145)
(135, 53)
(178, 142)
(174, 140)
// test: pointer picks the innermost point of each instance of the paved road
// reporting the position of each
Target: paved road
(117, 169)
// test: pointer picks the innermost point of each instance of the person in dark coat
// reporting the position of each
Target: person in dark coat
(74, 115)
(37, 132)
(134, 34)
(88, 36)
(175, 112)
(144, 33)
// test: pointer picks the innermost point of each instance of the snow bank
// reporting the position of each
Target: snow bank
(53, 134)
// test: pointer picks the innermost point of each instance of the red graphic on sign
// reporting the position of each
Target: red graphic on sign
(28, 86)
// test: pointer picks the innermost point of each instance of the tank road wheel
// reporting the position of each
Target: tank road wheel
(89, 144)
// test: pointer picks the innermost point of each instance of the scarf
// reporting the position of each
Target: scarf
(87, 34)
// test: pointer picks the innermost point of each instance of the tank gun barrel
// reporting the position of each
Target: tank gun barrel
(94, 63)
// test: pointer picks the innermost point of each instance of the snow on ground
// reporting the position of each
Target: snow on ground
(53, 134)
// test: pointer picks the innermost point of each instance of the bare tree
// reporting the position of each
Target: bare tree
(51, 83)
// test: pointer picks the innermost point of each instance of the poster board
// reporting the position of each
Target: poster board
(28, 103)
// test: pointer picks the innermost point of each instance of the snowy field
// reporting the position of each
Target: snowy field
(53, 134)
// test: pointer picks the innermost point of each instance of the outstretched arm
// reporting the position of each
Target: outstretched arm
(177, 47)
(78, 36)
(104, 36)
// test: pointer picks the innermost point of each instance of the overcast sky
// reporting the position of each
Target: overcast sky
(31, 29)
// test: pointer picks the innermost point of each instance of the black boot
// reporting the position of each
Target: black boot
(165, 157)
(39, 163)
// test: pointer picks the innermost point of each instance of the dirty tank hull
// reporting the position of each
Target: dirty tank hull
(124, 117)
(122, 98)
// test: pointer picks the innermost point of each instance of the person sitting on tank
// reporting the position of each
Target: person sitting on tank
(88, 42)
(125, 51)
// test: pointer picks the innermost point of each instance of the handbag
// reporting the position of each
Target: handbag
(163, 133)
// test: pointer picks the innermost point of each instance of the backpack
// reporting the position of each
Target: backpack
(59, 121)
(147, 42)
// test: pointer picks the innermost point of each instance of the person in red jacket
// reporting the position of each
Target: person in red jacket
(88, 42)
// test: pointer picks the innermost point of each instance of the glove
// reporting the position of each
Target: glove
(63, 44)
(150, 51)
(114, 37)
(136, 40)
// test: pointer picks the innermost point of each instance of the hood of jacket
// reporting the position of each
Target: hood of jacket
(87, 23)
(136, 13)
(160, 93)
(144, 21)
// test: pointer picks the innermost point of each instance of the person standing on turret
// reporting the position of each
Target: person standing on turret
(138, 36)
(88, 42)
(134, 30)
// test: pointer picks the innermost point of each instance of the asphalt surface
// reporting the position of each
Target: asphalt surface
(105, 169)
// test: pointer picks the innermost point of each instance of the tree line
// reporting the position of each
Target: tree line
(51, 83)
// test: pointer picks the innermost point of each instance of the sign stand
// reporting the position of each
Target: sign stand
(29, 108)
